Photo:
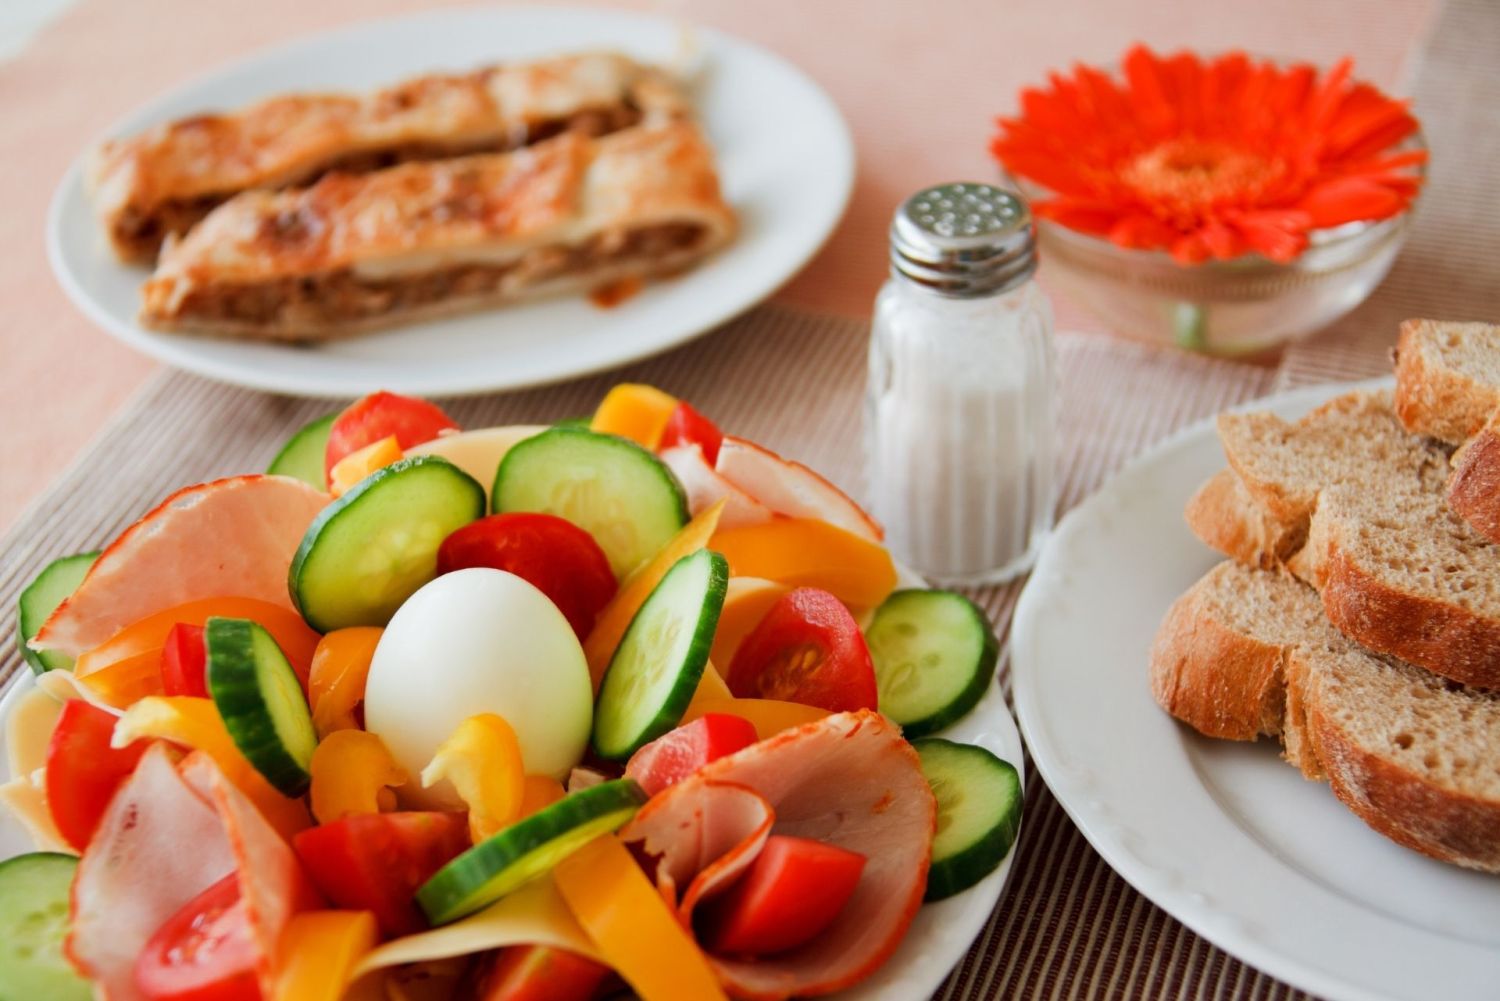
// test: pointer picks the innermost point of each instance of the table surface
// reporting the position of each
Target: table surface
(920, 84)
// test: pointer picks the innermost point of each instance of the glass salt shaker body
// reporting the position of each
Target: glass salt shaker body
(960, 408)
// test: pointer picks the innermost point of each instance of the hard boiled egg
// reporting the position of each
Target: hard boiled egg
(479, 641)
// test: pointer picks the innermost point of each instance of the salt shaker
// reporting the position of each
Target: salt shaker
(961, 405)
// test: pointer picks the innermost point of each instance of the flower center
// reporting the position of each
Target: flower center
(1185, 177)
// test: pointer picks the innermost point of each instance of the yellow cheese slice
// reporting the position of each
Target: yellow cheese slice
(28, 730)
(25, 799)
(478, 452)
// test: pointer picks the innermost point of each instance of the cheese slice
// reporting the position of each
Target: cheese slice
(25, 799)
(28, 731)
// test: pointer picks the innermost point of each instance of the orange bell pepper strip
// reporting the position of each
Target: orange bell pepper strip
(540, 792)
(193, 722)
(336, 680)
(318, 952)
(352, 772)
(610, 626)
(635, 411)
(482, 760)
(805, 552)
(768, 716)
(631, 925)
(128, 665)
(361, 463)
(748, 601)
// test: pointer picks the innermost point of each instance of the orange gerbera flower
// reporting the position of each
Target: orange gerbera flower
(1211, 159)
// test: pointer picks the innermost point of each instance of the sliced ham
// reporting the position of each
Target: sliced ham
(272, 884)
(705, 487)
(230, 537)
(158, 846)
(790, 488)
(848, 780)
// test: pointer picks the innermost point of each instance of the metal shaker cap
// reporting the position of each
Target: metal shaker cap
(964, 240)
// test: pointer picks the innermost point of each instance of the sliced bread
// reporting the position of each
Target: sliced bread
(1447, 378)
(1245, 652)
(1474, 489)
(1226, 517)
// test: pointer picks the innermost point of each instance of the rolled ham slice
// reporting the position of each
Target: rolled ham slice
(848, 780)
(790, 488)
(158, 846)
(705, 487)
(233, 537)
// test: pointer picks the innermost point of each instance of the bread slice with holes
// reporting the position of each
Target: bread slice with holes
(1474, 488)
(1447, 378)
(1247, 653)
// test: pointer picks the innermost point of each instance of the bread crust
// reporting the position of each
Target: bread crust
(1474, 488)
(1445, 638)
(1225, 517)
(1432, 399)
(1220, 682)
(1442, 823)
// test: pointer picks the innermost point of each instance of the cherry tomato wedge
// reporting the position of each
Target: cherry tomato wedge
(83, 771)
(791, 893)
(536, 973)
(380, 415)
(375, 862)
(674, 756)
(184, 662)
(556, 556)
(204, 952)
(688, 427)
(807, 649)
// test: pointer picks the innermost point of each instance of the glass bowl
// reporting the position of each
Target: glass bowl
(1243, 306)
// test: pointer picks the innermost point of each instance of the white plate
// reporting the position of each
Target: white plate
(1225, 836)
(785, 159)
(939, 936)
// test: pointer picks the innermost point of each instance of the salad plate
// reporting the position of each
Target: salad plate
(785, 162)
(1223, 835)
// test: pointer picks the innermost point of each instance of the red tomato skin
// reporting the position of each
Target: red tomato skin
(687, 426)
(380, 415)
(83, 771)
(536, 973)
(792, 892)
(674, 756)
(376, 862)
(184, 662)
(204, 952)
(552, 554)
(807, 649)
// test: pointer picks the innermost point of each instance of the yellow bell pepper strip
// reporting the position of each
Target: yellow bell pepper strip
(540, 792)
(768, 716)
(610, 626)
(361, 463)
(805, 552)
(193, 722)
(631, 925)
(352, 772)
(128, 666)
(318, 952)
(745, 604)
(635, 411)
(336, 680)
(482, 760)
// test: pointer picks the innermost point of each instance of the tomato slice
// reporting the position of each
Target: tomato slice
(380, 415)
(556, 556)
(687, 426)
(807, 649)
(184, 662)
(204, 952)
(83, 771)
(791, 893)
(674, 756)
(536, 973)
(375, 862)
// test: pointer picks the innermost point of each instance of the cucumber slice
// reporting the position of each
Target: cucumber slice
(979, 813)
(261, 702)
(33, 923)
(934, 654)
(52, 586)
(527, 849)
(660, 660)
(303, 454)
(610, 487)
(371, 549)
